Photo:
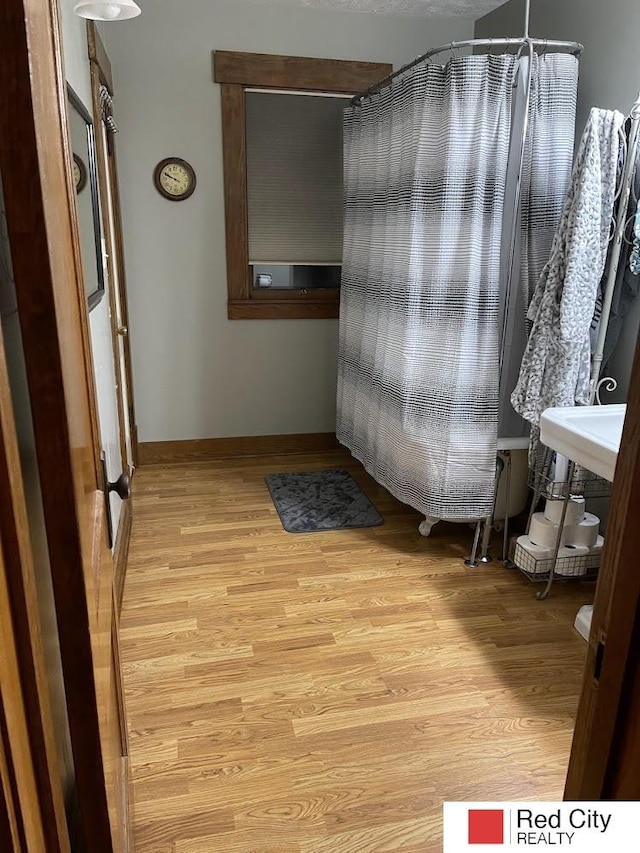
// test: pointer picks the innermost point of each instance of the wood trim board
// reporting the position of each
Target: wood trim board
(121, 552)
(202, 449)
(282, 309)
(17, 558)
(234, 155)
(612, 659)
(124, 301)
(23, 825)
(101, 157)
(623, 771)
(98, 55)
(275, 71)
(12, 836)
(101, 74)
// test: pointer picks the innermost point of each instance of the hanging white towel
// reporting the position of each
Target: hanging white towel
(556, 367)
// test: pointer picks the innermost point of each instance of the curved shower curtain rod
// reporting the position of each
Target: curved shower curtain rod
(573, 47)
(565, 46)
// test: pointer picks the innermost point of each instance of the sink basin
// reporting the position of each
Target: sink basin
(588, 435)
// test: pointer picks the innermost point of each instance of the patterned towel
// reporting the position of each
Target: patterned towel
(634, 262)
(556, 368)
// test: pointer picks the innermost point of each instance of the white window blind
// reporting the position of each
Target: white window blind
(294, 178)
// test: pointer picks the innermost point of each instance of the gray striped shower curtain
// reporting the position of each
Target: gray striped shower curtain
(420, 314)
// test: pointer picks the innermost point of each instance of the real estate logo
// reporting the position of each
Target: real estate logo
(599, 827)
(486, 826)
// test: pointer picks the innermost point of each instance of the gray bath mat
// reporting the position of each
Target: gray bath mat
(321, 500)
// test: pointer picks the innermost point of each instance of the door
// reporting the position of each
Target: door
(605, 757)
(102, 101)
(35, 166)
(106, 130)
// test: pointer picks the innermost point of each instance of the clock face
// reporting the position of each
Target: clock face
(79, 173)
(175, 179)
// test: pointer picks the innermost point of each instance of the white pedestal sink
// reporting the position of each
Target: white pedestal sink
(588, 435)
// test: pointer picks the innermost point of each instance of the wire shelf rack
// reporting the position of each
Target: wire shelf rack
(582, 567)
(583, 483)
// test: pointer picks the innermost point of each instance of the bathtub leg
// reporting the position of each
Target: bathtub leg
(472, 562)
(485, 557)
(505, 534)
(425, 527)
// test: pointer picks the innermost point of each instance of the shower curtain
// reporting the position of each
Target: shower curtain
(546, 175)
(548, 160)
(420, 316)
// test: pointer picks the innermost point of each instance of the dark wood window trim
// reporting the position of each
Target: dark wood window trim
(236, 72)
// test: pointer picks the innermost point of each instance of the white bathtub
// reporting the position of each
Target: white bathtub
(507, 504)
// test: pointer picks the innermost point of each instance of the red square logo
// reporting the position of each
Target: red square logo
(486, 826)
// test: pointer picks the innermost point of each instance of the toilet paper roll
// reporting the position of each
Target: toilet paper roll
(545, 533)
(536, 551)
(583, 534)
(575, 511)
(570, 569)
(540, 556)
(573, 551)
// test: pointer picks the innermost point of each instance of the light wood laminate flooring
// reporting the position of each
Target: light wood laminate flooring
(324, 693)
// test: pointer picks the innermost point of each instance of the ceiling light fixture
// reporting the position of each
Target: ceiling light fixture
(102, 10)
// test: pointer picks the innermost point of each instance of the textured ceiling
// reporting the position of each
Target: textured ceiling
(440, 8)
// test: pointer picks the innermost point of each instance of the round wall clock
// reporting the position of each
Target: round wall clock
(79, 173)
(174, 178)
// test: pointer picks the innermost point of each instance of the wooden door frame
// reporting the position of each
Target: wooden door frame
(98, 77)
(39, 200)
(611, 672)
(100, 68)
(100, 72)
(21, 818)
(101, 154)
(32, 814)
(23, 616)
(41, 234)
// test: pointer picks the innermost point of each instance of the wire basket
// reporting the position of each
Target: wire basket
(582, 567)
(584, 483)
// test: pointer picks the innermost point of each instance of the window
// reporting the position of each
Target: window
(282, 136)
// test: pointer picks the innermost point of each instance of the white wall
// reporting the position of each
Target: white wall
(197, 374)
(74, 42)
(609, 78)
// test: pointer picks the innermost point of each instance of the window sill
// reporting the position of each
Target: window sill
(282, 309)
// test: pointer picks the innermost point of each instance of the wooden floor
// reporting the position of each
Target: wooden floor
(324, 693)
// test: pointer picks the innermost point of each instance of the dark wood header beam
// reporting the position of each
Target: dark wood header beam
(320, 75)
